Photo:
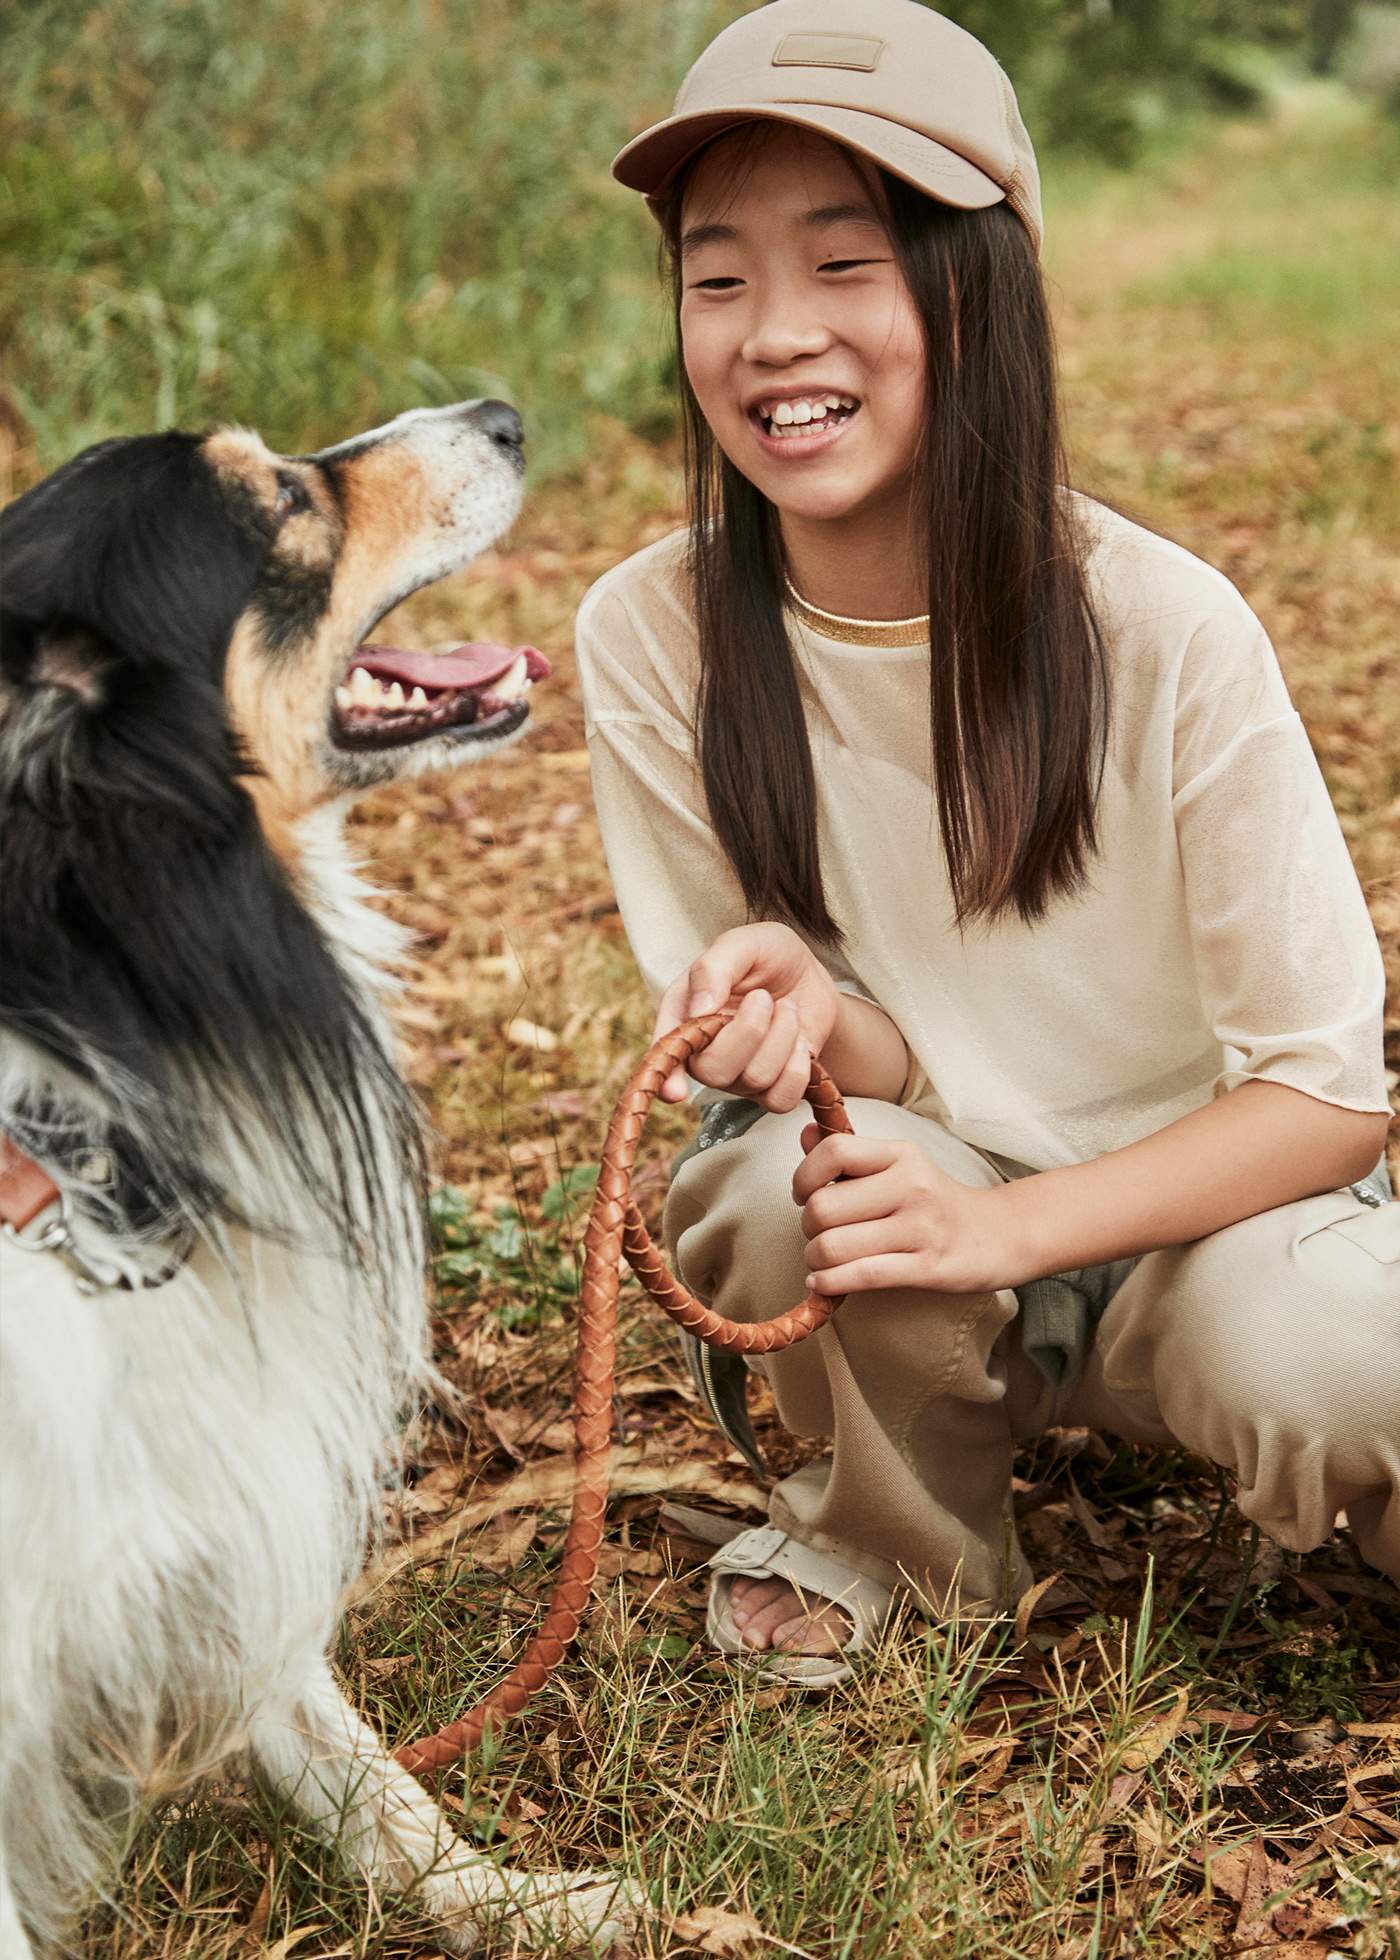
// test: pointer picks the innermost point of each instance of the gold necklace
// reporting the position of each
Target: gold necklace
(857, 632)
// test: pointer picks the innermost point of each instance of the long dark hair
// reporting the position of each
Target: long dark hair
(1019, 699)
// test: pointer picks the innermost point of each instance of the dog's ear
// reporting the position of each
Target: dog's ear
(63, 654)
(132, 543)
(47, 549)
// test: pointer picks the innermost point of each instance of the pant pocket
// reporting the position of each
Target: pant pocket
(970, 1341)
(1375, 1231)
(1374, 1228)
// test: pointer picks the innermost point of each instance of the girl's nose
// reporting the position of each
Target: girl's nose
(779, 335)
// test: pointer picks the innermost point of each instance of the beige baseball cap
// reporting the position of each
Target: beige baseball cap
(890, 79)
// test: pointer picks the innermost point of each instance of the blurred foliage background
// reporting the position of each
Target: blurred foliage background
(308, 214)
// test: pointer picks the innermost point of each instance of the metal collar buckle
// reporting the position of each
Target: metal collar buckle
(53, 1233)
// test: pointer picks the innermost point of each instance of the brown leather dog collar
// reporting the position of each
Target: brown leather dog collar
(29, 1194)
(26, 1189)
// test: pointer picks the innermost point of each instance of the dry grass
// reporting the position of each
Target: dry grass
(1195, 1751)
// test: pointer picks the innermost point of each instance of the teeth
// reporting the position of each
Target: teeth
(512, 682)
(364, 689)
(418, 699)
(344, 699)
(798, 413)
(394, 695)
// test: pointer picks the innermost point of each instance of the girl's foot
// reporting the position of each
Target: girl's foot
(774, 1613)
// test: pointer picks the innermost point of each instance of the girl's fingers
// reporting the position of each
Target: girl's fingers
(870, 1274)
(679, 1003)
(865, 1275)
(853, 1201)
(847, 1245)
(772, 1057)
(728, 1056)
(780, 1067)
(841, 1156)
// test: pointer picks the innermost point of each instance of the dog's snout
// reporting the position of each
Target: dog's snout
(500, 421)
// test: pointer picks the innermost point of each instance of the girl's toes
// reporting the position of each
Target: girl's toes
(824, 1631)
(750, 1596)
(757, 1631)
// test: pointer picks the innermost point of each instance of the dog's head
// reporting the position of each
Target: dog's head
(173, 591)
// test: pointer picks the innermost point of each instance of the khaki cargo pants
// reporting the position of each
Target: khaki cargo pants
(1272, 1347)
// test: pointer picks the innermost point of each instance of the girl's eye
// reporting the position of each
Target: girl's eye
(716, 285)
(291, 497)
(843, 265)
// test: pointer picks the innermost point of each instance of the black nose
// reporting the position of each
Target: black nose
(500, 421)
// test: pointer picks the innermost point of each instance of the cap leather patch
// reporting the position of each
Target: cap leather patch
(828, 51)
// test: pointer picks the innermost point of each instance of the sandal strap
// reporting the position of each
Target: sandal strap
(765, 1551)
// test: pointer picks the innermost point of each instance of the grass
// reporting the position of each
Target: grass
(1223, 316)
(959, 1801)
(334, 208)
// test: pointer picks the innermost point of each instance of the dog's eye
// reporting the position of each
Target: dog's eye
(291, 496)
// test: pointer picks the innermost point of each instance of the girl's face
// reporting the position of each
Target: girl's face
(799, 335)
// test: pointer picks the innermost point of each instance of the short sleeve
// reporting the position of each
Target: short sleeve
(1289, 970)
(676, 890)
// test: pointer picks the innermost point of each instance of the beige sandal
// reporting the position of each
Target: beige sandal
(765, 1552)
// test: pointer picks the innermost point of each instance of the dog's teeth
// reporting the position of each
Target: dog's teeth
(394, 695)
(512, 681)
(418, 699)
(364, 689)
(344, 700)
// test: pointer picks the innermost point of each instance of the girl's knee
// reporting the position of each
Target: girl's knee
(1287, 1321)
(731, 1206)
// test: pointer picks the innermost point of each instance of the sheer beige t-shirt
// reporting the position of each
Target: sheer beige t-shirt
(1224, 935)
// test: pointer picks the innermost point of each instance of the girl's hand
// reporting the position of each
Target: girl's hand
(895, 1220)
(786, 1005)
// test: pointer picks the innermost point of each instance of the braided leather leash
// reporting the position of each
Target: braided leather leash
(615, 1225)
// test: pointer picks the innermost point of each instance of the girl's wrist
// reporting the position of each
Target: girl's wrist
(865, 1054)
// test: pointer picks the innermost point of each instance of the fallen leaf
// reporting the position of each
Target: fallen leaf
(1098, 1534)
(386, 1667)
(1026, 1605)
(1225, 1718)
(715, 1930)
(547, 1484)
(285, 1945)
(1291, 1950)
(262, 1910)
(529, 1034)
(1226, 1870)
(1149, 1742)
(628, 1561)
(503, 1549)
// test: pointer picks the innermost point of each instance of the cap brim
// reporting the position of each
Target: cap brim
(650, 160)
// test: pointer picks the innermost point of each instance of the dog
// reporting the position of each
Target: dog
(205, 1358)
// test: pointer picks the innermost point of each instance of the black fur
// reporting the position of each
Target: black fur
(151, 944)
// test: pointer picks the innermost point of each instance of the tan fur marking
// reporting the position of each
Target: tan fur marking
(279, 708)
(243, 455)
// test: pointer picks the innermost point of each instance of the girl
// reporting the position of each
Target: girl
(928, 765)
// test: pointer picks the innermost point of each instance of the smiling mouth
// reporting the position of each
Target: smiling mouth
(799, 420)
(391, 696)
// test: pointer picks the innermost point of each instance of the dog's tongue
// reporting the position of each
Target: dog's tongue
(475, 665)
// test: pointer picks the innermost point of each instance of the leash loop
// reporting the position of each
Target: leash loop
(615, 1231)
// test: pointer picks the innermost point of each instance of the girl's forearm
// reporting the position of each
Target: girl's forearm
(865, 1054)
(1261, 1145)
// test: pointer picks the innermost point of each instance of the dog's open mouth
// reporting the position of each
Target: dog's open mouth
(391, 697)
